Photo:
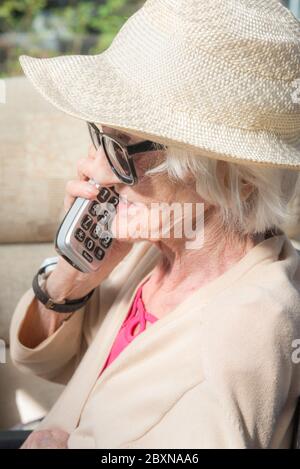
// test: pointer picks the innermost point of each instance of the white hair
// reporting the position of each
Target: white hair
(220, 183)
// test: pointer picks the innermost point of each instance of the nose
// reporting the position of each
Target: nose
(100, 168)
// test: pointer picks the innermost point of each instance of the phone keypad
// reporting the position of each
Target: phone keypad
(92, 230)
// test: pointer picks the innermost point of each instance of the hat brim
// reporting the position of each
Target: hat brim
(89, 87)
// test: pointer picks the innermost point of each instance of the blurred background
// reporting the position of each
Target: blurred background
(39, 150)
(46, 28)
(49, 27)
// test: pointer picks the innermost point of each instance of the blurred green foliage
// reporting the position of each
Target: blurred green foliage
(79, 27)
(18, 14)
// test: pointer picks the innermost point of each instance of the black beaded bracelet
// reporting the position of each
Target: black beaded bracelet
(68, 306)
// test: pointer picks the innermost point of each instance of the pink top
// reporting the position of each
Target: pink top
(136, 317)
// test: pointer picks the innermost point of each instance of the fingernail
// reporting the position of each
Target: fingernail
(93, 190)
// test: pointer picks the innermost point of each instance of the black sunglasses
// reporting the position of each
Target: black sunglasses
(120, 155)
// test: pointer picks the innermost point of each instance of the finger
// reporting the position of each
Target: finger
(98, 169)
(82, 176)
(75, 188)
(92, 151)
(91, 154)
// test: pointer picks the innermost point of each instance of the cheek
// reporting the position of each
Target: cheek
(155, 188)
(141, 167)
(145, 162)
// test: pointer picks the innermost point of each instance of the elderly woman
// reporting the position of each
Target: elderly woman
(181, 345)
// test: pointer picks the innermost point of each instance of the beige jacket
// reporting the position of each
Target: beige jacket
(216, 372)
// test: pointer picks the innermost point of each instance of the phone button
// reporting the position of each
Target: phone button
(86, 222)
(104, 217)
(111, 208)
(113, 200)
(99, 253)
(87, 256)
(94, 208)
(95, 231)
(79, 234)
(105, 239)
(103, 195)
(89, 244)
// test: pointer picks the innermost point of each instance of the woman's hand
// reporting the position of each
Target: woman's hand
(47, 439)
(65, 281)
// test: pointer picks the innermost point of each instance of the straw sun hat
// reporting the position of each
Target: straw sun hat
(215, 75)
